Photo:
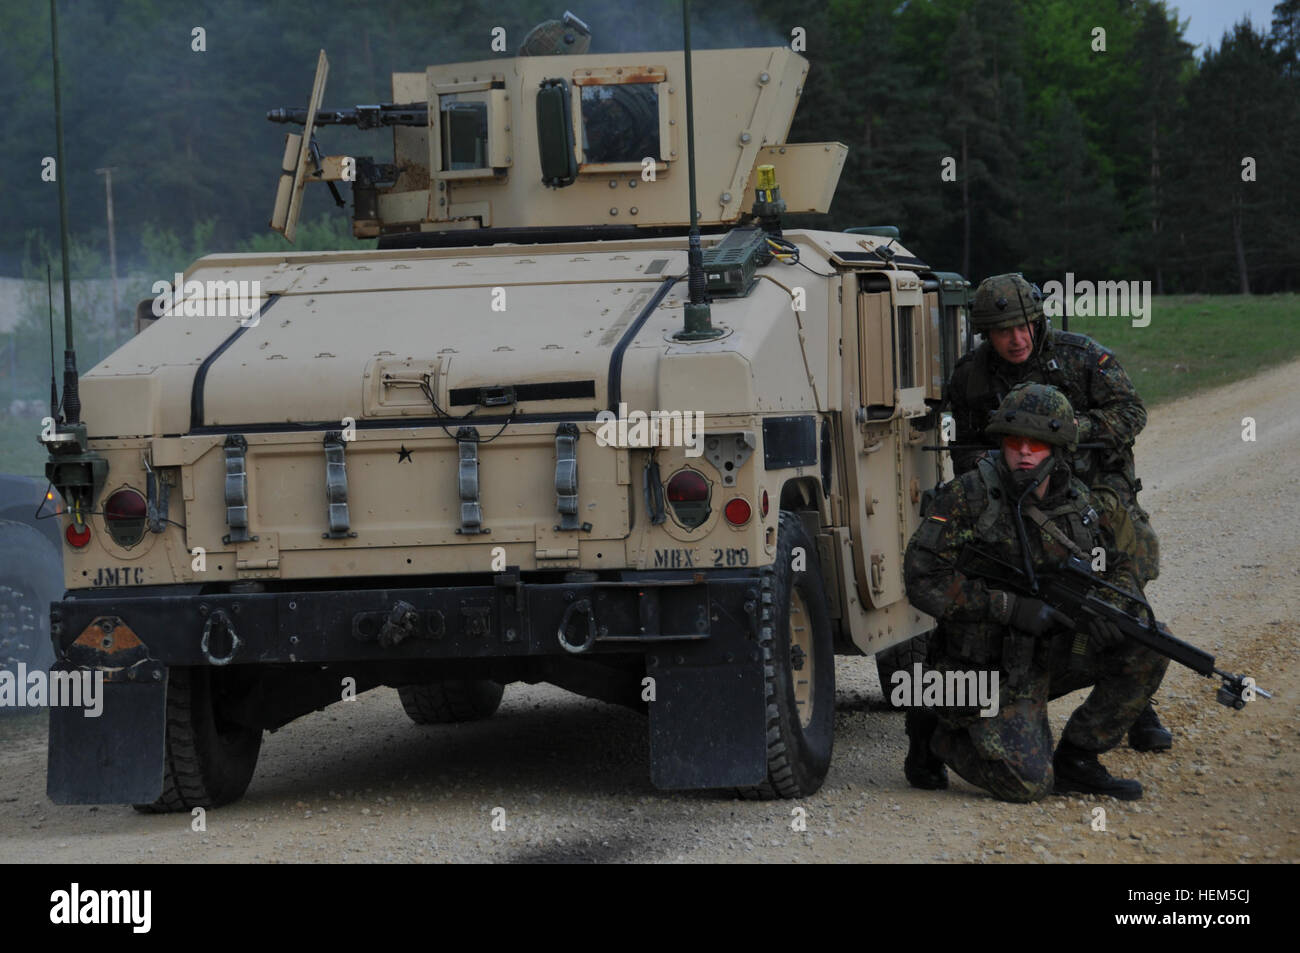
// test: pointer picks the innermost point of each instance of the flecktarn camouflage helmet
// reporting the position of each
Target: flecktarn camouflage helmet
(1038, 411)
(1004, 301)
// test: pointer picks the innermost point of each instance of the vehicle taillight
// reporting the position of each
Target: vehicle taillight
(737, 512)
(75, 538)
(688, 495)
(124, 515)
(763, 510)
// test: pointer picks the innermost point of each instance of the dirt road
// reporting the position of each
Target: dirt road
(569, 777)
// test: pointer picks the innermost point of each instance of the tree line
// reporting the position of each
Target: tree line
(1035, 135)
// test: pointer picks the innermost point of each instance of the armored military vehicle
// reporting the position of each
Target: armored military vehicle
(520, 441)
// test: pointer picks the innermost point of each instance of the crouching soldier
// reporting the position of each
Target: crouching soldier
(1026, 501)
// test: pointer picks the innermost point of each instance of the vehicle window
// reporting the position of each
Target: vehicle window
(620, 123)
(464, 132)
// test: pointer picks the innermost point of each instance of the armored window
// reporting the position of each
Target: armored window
(464, 119)
(906, 348)
(951, 339)
(620, 123)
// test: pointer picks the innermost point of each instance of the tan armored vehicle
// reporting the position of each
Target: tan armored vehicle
(513, 443)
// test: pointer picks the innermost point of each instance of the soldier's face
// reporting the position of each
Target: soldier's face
(1013, 344)
(1022, 453)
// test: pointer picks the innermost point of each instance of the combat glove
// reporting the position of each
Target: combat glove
(1105, 634)
(1026, 614)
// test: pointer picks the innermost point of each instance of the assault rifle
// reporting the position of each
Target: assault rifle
(1071, 588)
(363, 117)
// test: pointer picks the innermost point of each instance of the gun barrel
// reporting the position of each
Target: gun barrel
(363, 117)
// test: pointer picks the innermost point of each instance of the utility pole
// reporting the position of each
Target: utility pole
(112, 242)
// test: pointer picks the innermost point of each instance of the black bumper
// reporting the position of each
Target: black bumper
(684, 613)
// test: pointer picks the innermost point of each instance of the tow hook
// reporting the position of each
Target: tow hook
(218, 633)
(577, 648)
(402, 621)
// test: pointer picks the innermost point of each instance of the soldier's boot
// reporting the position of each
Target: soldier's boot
(1079, 772)
(1147, 734)
(922, 768)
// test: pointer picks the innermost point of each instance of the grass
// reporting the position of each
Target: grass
(1195, 342)
(1192, 343)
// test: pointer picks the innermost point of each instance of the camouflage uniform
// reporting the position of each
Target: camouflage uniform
(1102, 394)
(1010, 754)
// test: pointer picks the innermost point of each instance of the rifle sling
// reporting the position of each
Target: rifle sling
(1040, 518)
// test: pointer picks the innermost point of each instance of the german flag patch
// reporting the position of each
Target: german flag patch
(1101, 361)
(930, 532)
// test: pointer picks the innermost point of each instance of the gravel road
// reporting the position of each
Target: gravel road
(569, 777)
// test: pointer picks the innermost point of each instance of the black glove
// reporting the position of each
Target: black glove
(1104, 633)
(1036, 617)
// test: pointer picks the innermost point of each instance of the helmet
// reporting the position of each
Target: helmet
(1004, 301)
(1038, 411)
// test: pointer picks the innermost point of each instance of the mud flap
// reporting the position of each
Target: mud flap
(115, 757)
(708, 726)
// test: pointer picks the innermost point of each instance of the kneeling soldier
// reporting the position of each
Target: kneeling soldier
(1026, 508)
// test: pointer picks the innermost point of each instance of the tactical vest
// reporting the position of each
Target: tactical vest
(1081, 519)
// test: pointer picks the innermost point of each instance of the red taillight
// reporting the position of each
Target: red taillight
(687, 486)
(124, 515)
(125, 505)
(737, 512)
(688, 497)
(77, 539)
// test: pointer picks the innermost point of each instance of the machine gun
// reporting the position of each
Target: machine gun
(363, 117)
(1071, 588)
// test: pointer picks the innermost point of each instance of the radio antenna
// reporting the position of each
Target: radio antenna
(699, 321)
(54, 387)
(71, 399)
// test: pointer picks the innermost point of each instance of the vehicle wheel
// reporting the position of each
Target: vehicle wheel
(799, 667)
(31, 577)
(900, 658)
(452, 700)
(208, 762)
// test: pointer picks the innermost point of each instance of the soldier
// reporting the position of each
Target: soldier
(1018, 347)
(1033, 646)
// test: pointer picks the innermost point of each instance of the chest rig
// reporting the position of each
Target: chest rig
(1074, 521)
(1068, 524)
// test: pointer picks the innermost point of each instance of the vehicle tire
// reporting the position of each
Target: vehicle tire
(900, 658)
(208, 763)
(799, 669)
(452, 700)
(31, 577)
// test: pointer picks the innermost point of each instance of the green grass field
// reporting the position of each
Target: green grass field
(1196, 342)
(1193, 342)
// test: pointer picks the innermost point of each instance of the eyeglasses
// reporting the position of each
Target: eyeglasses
(1024, 445)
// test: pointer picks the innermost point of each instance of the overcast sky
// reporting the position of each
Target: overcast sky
(1212, 18)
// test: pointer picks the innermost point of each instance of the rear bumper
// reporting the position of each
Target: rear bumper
(687, 614)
